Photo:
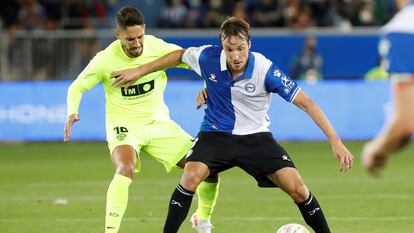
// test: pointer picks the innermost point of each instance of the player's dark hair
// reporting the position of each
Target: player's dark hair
(235, 27)
(129, 16)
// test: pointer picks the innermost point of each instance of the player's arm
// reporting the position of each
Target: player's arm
(201, 99)
(277, 82)
(129, 76)
(74, 97)
(73, 100)
(341, 153)
(89, 77)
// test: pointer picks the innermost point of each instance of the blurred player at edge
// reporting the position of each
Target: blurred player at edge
(137, 118)
(397, 48)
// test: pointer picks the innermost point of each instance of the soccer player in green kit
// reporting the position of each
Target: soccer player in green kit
(137, 118)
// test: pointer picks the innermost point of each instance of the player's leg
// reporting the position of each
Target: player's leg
(180, 202)
(259, 154)
(124, 158)
(289, 180)
(169, 144)
(208, 156)
(397, 133)
(207, 193)
(123, 143)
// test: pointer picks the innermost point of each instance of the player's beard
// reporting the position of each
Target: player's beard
(131, 52)
(135, 52)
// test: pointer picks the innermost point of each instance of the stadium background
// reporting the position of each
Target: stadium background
(50, 186)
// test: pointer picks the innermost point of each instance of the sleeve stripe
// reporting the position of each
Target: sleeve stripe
(294, 94)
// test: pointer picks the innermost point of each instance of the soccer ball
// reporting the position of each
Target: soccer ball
(292, 228)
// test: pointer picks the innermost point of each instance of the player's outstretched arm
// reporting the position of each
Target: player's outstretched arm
(72, 118)
(129, 76)
(339, 150)
(73, 100)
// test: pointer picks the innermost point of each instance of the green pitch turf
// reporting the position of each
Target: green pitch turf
(61, 188)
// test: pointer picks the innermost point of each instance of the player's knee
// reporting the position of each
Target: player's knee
(126, 169)
(299, 193)
(191, 179)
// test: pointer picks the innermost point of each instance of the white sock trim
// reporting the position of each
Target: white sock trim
(310, 200)
(179, 188)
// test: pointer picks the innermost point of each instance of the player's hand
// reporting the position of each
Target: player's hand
(201, 99)
(127, 77)
(343, 155)
(72, 118)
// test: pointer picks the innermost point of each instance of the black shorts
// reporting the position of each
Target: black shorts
(257, 154)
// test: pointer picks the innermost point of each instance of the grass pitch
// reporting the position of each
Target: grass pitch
(61, 188)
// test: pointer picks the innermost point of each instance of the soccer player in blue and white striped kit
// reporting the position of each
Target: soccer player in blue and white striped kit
(397, 49)
(234, 132)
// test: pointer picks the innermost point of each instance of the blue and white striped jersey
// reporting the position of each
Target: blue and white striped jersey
(397, 41)
(238, 106)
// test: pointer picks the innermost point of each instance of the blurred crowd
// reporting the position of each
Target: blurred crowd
(295, 14)
(39, 56)
(50, 56)
(51, 14)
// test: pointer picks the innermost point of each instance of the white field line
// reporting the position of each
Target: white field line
(171, 180)
(221, 219)
(396, 196)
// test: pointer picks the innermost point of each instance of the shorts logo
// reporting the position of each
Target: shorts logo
(190, 152)
(250, 87)
(121, 136)
(138, 89)
(121, 133)
(286, 158)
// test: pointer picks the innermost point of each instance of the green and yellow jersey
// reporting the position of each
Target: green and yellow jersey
(143, 102)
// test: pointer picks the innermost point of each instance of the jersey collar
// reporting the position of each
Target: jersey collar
(248, 73)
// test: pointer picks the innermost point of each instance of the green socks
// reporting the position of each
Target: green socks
(207, 196)
(116, 202)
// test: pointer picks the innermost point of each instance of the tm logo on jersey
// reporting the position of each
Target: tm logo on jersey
(138, 89)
